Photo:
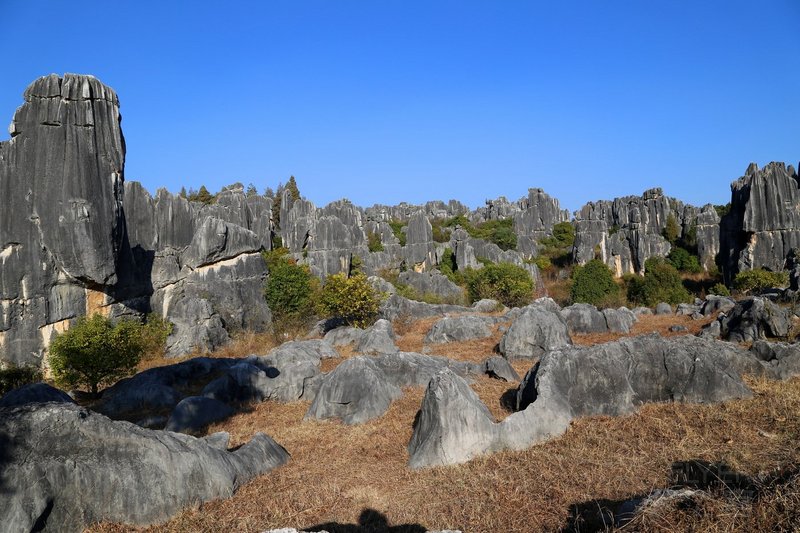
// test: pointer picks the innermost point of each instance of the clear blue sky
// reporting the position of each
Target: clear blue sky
(386, 101)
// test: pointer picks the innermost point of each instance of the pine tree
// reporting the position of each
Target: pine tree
(294, 192)
(251, 191)
(182, 194)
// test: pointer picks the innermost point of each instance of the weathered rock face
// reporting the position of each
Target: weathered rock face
(61, 225)
(627, 231)
(116, 472)
(755, 318)
(537, 330)
(763, 225)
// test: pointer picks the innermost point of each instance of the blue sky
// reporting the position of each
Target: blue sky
(389, 101)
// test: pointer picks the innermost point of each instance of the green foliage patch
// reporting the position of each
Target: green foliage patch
(353, 300)
(507, 283)
(759, 279)
(17, 376)
(593, 283)
(96, 352)
(661, 283)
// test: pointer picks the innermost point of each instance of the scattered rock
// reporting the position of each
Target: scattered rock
(378, 339)
(663, 309)
(344, 336)
(499, 368)
(756, 318)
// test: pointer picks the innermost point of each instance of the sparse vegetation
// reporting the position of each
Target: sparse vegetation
(594, 283)
(759, 279)
(95, 352)
(684, 261)
(720, 290)
(557, 250)
(202, 196)
(17, 376)
(374, 243)
(397, 228)
(351, 299)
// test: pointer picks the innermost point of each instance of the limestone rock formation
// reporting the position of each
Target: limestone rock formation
(763, 225)
(460, 328)
(537, 330)
(34, 393)
(61, 221)
(141, 477)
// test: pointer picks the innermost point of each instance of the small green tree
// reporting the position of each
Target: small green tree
(17, 376)
(353, 299)
(251, 191)
(682, 260)
(507, 283)
(294, 191)
(96, 352)
(289, 291)
(202, 196)
(593, 283)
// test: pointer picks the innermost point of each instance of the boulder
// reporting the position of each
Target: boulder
(453, 425)
(378, 339)
(487, 305)
(584, 318)
(306, 349)
(34, 393)
(54, 479)
(714, 304)
(783, 358)
(432, 283)
(356, 391)
(499, 368)
(663, 308)
(619, 320)
(460, 328)
(344, 336)
(537, 330)
(194, 413)
(397, 306)
(755, 318)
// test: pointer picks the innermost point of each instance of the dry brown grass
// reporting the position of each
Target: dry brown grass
(337, 472)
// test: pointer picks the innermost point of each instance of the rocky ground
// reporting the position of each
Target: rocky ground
(356, 477)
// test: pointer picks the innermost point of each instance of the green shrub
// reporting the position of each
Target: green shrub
(682, 260)
(759, 279)
(500, 232)
(593, 283)
(96, 352)
(374, 243)
(557, 249)
(397, 228)
(672, 229)
(353, 299)
(661, 283)
(509, 284)
(289, 291)
(720, 290)
(542, 262)
(155, 331)
(17, 376)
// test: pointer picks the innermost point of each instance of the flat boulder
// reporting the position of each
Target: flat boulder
(65, 467)
(460, 328)
(344, 336)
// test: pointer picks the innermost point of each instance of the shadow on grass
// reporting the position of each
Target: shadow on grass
(370, 521)
(717, 478)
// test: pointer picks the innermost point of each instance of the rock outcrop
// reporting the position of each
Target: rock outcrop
(763, 225)
(608, 379)
(113, 472)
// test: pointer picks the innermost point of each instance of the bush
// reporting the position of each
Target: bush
(671, 230)
(17, 376)
(289, 291)
(593, 283)
(509, 284)
(720, 290)
(758, 279)
(154, 335)
(352, 300)
(661, 283)
(682, 260)
(397, 228)
(374, 243)
(96, 352)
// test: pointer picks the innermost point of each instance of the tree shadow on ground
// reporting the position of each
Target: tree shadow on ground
(370, 521)
(606, 515)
